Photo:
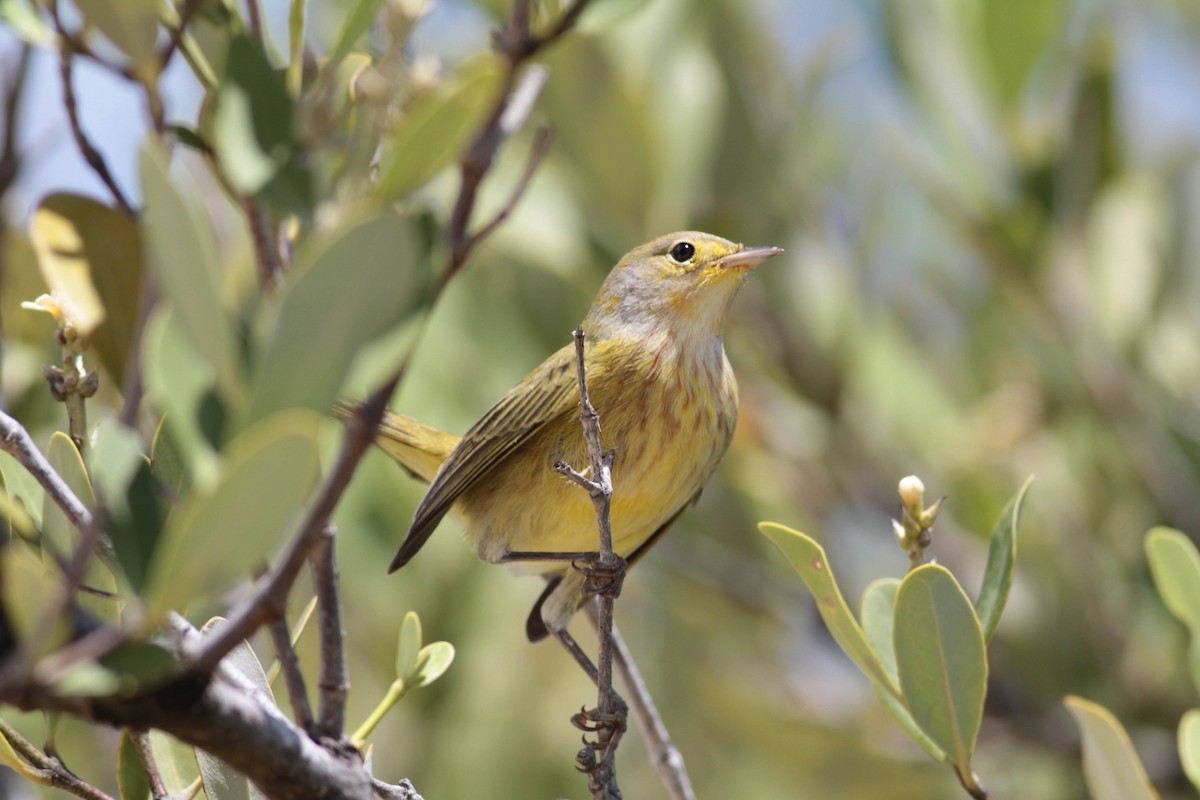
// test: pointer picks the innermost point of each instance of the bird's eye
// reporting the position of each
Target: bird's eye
(683, 252)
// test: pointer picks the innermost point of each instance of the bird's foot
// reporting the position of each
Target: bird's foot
(603, 577)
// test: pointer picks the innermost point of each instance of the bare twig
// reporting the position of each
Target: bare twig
(665, 757)
(90, 154)
(272, 591)
(266, 256)
(15, 441)
(48, 770)
(518, 93)
(293, 677)
(141, 742)
(603, 580)
(334, 683)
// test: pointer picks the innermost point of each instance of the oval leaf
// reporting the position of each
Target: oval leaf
(435, 658)
(941, 661)
(1175, 567)
(132, 501)
(351, 289)
(176, 763)
(437, 126)
(355, 24)
(878, 611)
(132, 778)
(252, 118)
(808, 558)
(132, 25)
(1111, 766)
(409, 647)
(63, 254)
(1002, 557)
(185, 259)
(1189, 745)
(214, 539)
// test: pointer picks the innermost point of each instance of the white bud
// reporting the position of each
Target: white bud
(912, 493)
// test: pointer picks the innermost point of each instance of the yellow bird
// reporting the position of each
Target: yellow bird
(667, 399)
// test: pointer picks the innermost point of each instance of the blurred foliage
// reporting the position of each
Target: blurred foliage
(991, 272)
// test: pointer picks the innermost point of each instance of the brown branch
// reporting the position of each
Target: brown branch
(89, 152)
(293, 677)
(261, 233)
(513, 104)
(334, 682)
(604, 581)
(15, 441)
(664, 756)
(46, 769)
(141, 743)
(271, 593)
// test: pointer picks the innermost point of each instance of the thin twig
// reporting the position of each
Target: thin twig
(293, 677)
(514, 102)
(603, 579)
(15, 441)
(90, 154)
(261, 233)
(665, 757)
(334, 682)
(141, 742)
(273, 589)
(48, 770)
(186, 12)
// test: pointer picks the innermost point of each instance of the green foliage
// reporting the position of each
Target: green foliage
(1109, 761)
(920, 641)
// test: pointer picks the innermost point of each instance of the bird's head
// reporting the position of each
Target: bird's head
(682, 282)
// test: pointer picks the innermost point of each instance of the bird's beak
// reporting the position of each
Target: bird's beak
(749, 258)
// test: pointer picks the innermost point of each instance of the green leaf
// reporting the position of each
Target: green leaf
(166, 462)
(878, 611)
(215, 538)
(1189, 745)
(91, 258)
(176, 762)
(252, 119)
(22, 487)
(132, 778)
(87, 679)
(1111, 766)
(132, 25)
(61, 534)
(1175, 567)
(941, 661)
(351, 289)
(185, 258)
(409, 646)
(808, 558)
(14, 519)
(432, 662)
(436, 128)
(132, 501)
(23, 20)
(1002, 557)
(60, 231)
(9, 758)
(30, 587)
(139, 665)
(182, 387)
(358, 20)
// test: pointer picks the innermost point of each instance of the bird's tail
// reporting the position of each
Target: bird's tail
(417, 447)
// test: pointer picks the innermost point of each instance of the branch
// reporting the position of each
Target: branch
(518, 44)
(90, 154)
(603, 580)
(46, 769)
(293, 677)
(334, 683)
(271, 593)
(665, 757)
(141, 742)
(15, 441)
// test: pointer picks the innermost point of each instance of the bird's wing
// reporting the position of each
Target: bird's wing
(545, 394)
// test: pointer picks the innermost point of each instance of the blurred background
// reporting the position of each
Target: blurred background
(992, 271)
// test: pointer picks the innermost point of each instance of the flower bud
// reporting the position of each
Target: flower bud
(912, 494)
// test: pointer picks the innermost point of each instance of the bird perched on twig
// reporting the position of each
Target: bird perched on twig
(667, 400)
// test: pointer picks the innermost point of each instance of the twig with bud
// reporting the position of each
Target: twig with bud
(914, 529)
